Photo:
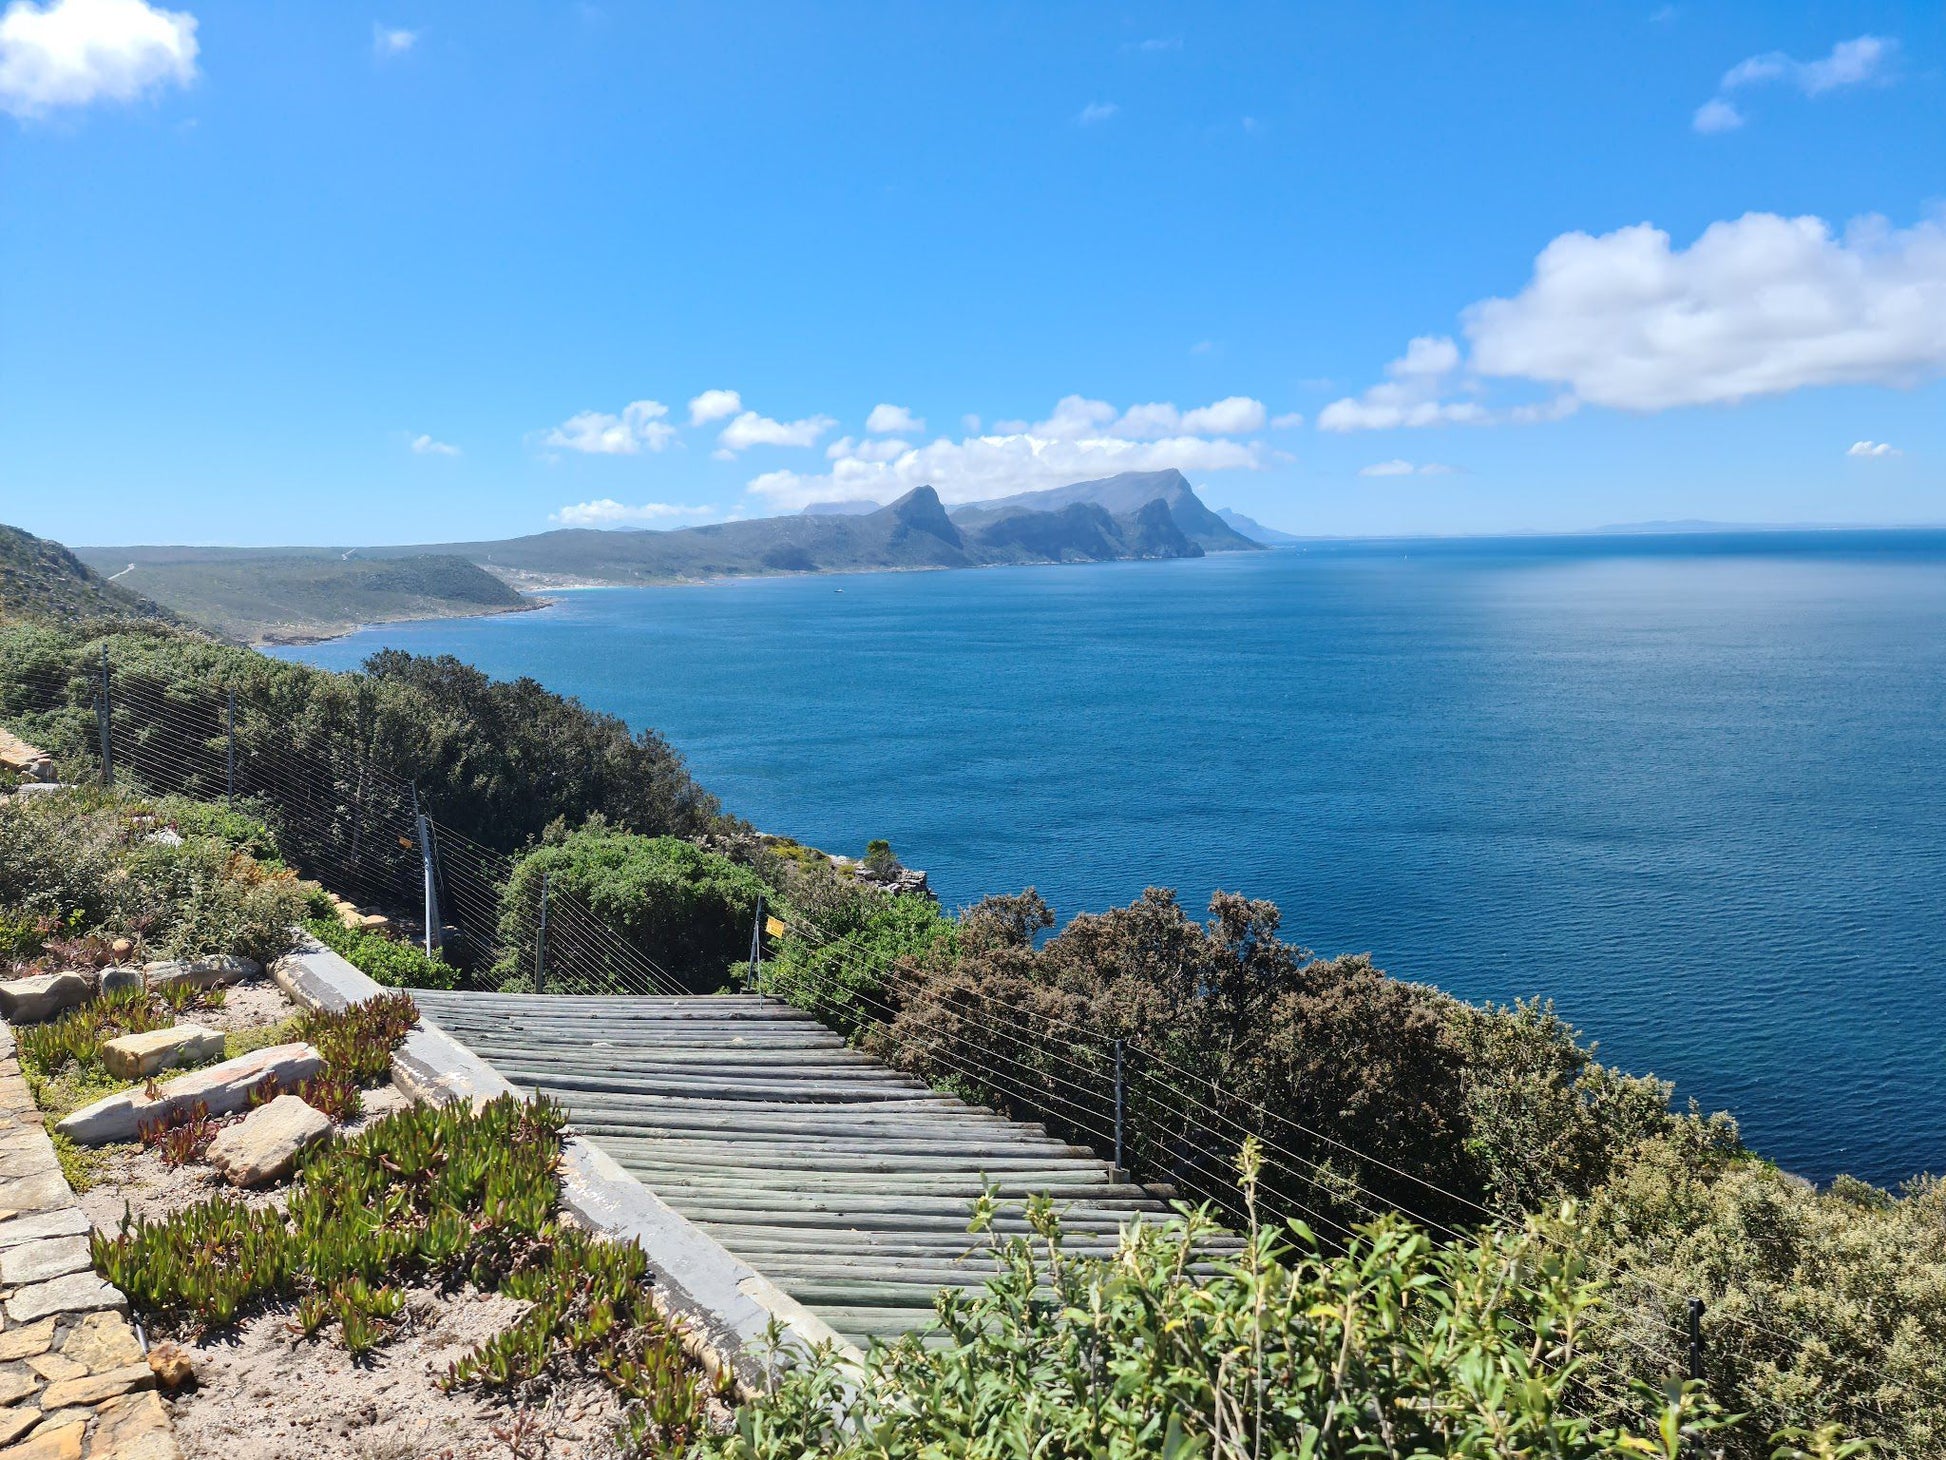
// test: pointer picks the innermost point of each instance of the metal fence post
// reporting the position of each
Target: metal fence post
(1696, 1339)
(540, 941)
(104, 714)
(229, 765)
(1121, 1109)
(432, 893)
(757, 941)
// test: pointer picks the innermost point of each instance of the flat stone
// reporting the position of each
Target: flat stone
(45, 1191)
(24, 1343)
(78, 1292)
(204, 973)
(172, 1364)
(131, 1056)
(17, 1384)
(17, 1421)
(224, 1088)
(42, 996)
(66, 1222)
(56, 1367)
(27, 1157)
(134, 1427)
(61, 1442)
(102, 1341)
(51, 1257)
(121, 979)
(265, 1144)
(97, 1387)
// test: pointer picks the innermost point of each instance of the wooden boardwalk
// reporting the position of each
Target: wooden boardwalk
(844, 1182)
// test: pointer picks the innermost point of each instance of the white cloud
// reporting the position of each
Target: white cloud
(1401, 468)
(427, 446)
(72, 52)
(607, 512)
(1873, 448)
(1082, 438)
(886, 448)
(392, 41)
(1234, 415)
(1716, 115)
(1411, 397)
(1289, 421)
(750, 429)
(713, 405)
(1096, 112)
(1161, 43)
(970, 423)
(1759, 305)
(640, 426)
(893, 421)
(1851, 63)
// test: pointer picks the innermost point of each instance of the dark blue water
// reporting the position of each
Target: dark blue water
(1688, 788)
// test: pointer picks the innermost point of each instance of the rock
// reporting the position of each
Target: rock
(103, 1341)
(134, 1427)
(78, 1292)
(121, 947)
(59, 1438)
(204, 973)
(131, 1056)
(29, 762)
(171, 1364)
(224, 1088)
(96, 1387)
(41, 788)
(17, 1386)
(266, 1144)
(121, 979)
(56, 1367)
(374, 922)
(24, 1343)
(17, 1421)
(66, 1222)
(46, 1192)
(30, 1000)
(36, 1262)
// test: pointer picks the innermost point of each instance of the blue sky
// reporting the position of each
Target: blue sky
(305, 272)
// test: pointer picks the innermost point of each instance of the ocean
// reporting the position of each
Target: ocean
(1688, 787)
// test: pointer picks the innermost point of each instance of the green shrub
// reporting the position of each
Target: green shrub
(385, 960)
(356, 1043)
(1396, 1346)
(689, 910)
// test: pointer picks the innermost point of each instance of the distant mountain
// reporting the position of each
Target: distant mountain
(1255, 530)
(840, 509)
(287, 596)
(42, 579)
(1123, 495)
(292, 593)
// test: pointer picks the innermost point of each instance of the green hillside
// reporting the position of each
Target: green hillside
(42, 579)
(292, 598)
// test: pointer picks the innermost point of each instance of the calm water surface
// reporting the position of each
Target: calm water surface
(1689, 788)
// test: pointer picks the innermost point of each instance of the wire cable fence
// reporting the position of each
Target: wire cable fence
(340, 818)
(1179, 1132)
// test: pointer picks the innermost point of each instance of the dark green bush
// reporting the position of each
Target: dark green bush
(689, 910)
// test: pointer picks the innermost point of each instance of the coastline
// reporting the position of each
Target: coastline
(299, 640)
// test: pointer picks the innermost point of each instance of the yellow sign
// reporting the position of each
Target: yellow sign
(774, 927)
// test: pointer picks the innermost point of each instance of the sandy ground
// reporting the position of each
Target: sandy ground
(265, 1393)
(245, 1006)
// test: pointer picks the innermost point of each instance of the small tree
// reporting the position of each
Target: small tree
(879, 858)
